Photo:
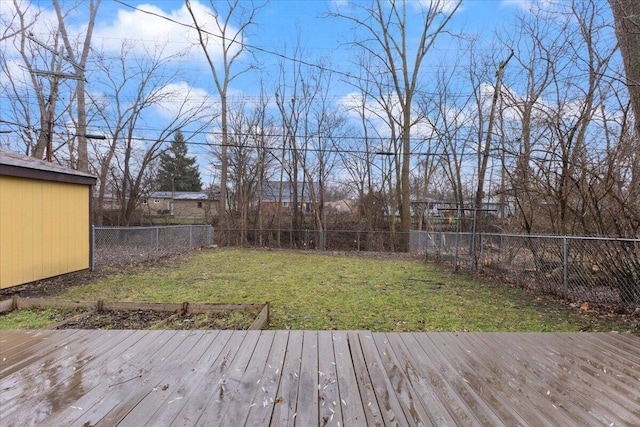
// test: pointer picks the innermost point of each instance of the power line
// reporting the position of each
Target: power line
(248, 46)
(495, 154)
(239, 42)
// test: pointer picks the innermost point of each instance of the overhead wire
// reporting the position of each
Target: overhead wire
(495, 153)
(278, 55)
(344, 74)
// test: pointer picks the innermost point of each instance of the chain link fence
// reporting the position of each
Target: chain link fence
(601, 271)
(307, 239)
(128, 245)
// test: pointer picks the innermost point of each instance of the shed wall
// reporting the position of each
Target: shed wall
(44, 227)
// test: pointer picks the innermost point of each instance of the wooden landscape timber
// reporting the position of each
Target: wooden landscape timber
(179, 309)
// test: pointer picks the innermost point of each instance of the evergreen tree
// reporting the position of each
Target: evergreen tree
(177, 171)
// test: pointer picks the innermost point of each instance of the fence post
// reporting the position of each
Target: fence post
(92, 249)
(455, 257)
(480, 243)
(190, 237)
(565, 262)
(157, 248)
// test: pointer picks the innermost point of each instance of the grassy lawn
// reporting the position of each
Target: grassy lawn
(316, 291)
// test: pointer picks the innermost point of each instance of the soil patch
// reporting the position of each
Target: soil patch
(235, 321)
(116, 319)
(59, 284)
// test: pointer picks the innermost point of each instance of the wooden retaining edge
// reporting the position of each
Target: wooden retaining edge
(8, 304)
(49, 302)
(71, 319)
(261, 321)
(166, 321)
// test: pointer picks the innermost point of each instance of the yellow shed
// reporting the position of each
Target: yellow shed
(45, 216)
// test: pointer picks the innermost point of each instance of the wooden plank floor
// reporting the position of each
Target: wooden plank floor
(317, 378)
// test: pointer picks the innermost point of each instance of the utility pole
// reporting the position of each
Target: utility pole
(53, 96)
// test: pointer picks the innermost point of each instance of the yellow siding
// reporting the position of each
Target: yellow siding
(44, 229)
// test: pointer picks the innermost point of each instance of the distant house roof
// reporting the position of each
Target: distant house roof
(271, 191)
(23, 166)
(181, 195)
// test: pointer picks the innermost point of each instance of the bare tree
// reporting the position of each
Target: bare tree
(231, 29)
(137, 85)
(79, 63)
(453, 122)
(390, 38)
(537, 46)
(52, 68)
(292, 103)
(626, 15)
(358, 159)
(250, 143)
(34, 109)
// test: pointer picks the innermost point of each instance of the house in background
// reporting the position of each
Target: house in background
(192, 206)
(277, 197)
(45, 224)
(342, 207)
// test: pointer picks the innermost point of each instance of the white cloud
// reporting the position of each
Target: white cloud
(41, 24)
(337, 4)
(530, 6)
(172, 30)
(444, 6)
(180, 98)
(15, 75)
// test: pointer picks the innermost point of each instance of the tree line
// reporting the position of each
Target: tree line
(544, 124)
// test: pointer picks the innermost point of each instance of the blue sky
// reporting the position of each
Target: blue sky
(279, 24)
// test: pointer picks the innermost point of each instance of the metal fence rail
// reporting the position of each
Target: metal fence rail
(127, 245)
(596, 270)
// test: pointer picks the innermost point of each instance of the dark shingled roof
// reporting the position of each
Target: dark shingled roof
(20, 165)
(271, 191)
(180, 195)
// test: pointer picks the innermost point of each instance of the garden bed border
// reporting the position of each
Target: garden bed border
(261, 321)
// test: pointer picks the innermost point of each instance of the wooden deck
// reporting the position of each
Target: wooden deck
(311, 378)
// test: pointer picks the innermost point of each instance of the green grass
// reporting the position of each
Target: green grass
(316, 291)
(35, 318)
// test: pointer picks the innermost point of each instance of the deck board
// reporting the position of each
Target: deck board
(249, 387)
(456, 393)
(122, 367)
(231, 382)
(323, 378)
(388, 401)
(567, 400)
(329, 407)
(307, 404)
(489, 374)
(370, 405)
(427, 372)
(209, 385)
(266, 394)
(284, 412)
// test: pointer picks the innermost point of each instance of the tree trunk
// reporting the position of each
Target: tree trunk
(626, 14)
